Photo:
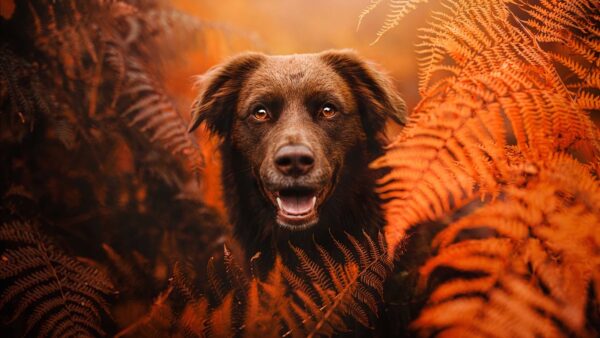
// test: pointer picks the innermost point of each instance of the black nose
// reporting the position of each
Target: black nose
(294, 160)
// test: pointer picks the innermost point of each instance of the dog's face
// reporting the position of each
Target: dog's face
(294, 119)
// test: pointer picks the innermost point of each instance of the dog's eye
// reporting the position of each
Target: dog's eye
(260, 113)
(328, 111)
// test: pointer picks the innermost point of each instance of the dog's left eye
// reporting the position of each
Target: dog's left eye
(260, 113)
(328, 111)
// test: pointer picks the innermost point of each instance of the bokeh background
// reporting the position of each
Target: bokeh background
(296, 26)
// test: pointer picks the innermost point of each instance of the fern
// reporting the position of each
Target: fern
(22, 93)
(87, 42)
(79, 86)
(68, 75)
(398, 10)
(145, 106)
(319, 299)
(370, 7)
(533, 271)
(568, 32)
(52, 293)
(479, 70)
(501, 121)
(339, 290)
(357, 285)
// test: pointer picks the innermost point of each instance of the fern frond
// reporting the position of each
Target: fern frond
(398, 9)
(535, 266)
(193, 319)
(66, 24)
(144, 106)
(216, 285)
(54, 294)
(456, 145)
(588, 101)
(276, 296)
(66, 38)
(235, 273)
(320, 299)
(568, 32)
(311, 268)
(23, 93)
(370, 7)
(356, 285)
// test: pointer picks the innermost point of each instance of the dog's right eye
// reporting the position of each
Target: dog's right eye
(260, 113)
(328, 111)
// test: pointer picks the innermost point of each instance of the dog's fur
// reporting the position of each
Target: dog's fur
(293, 90)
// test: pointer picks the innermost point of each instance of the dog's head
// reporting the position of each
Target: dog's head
(294, 119)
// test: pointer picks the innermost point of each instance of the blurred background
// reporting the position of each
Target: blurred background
(296, 26)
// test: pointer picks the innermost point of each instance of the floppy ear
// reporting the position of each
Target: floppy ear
(376, 96)
(219, 90)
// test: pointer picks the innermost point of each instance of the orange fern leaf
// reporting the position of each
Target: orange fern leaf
(534, 263)
(486, 84)
(319, 299)
(398, 10)
(53, 293)
(144, 106)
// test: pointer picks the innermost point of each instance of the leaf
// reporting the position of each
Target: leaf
(536, 278)
(54, 293)
(456, 146)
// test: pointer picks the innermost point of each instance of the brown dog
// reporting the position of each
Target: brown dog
(298, 133)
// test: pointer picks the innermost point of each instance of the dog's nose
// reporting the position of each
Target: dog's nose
(294, 160)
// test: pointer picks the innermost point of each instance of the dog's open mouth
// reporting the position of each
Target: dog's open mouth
(296, 207)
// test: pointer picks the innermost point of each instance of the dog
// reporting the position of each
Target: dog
(297, 135)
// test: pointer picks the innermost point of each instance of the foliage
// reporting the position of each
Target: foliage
(397, 10)
(484, 90)
(48, 292)
(529, 270)
(101, 184)
(58, 295)
(335, 293)
(507, 89)
(93, 140)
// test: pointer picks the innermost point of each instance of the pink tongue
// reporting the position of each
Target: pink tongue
(296, 205)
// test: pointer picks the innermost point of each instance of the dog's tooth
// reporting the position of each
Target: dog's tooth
(279, 203)
(314, 201)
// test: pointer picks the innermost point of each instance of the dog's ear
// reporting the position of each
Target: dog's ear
(219, 90)
(375, 93)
